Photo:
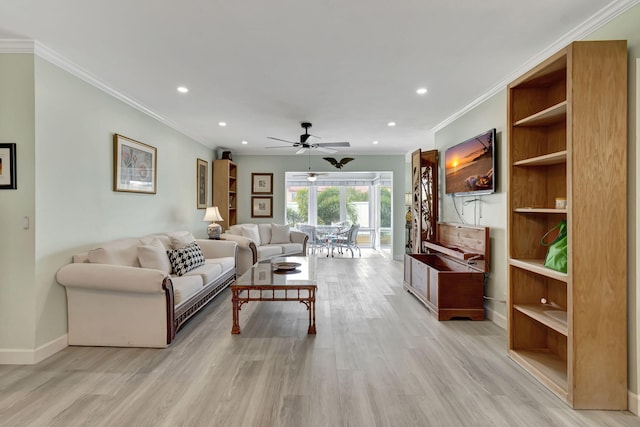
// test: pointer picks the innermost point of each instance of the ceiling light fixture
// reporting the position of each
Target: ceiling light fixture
(392, 124)
(183, 89)
(311, 178)
(375, 142)
(222, 124)
(421, 91)
(244, 142)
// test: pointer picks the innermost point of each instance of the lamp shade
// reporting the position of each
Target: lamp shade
(212, 214)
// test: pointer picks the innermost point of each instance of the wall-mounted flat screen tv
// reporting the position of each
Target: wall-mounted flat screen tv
(469, 166)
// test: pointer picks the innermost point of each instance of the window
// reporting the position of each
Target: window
(297, 205)
(354, 197)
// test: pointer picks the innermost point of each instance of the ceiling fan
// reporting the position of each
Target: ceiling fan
(312, 176)
(304, 144)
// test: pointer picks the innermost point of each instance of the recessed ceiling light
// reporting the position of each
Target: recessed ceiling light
(421, 91)
(244, 142)
(391, 124)
(183, 89)
(223, 124)
(375, 142)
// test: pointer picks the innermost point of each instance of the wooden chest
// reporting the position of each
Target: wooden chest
(449, 279)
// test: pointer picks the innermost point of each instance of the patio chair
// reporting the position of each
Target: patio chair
(315, 242)
(347, 240)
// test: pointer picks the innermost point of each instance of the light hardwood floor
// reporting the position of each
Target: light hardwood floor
(379, 359)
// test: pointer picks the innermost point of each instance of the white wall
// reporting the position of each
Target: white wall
(278, 165)
(17, 246)
(65, 187)
(490, 211)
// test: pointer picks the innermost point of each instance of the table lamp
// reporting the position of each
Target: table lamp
(213, 214)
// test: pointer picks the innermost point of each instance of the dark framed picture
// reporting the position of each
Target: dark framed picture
(261, 207)
(8, 174)
(202, 175)
(262, 183)
(134, 166)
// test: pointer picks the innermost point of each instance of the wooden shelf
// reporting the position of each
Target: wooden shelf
(537, 266)
(540, 210)
(546, 314)
(224, 190)
(566, 115)
(547, 367)
(545, 160)
(551, 115)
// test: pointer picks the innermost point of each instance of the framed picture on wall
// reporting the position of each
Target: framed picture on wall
(262, 183)
(134, 166)
(8, 173)
(261, 207)
(202, 175)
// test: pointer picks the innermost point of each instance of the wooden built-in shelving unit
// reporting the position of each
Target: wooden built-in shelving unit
(225, 175)
(567, 127)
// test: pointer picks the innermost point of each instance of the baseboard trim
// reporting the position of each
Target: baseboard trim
(633, 402)
(31, 357)
(496, 317)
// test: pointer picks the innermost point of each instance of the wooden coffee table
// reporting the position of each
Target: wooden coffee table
(294, 281)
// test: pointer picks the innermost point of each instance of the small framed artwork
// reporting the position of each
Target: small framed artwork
(262, 183)
(134, 166)
(8, 175)
(261, 207)
(202, 174)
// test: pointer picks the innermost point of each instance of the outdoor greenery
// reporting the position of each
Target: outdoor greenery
(329, 206)
(385, 207)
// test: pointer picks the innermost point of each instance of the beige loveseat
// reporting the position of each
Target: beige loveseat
(258, 242)
(138, 292)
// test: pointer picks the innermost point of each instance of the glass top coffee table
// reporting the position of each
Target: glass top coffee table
(279, 279)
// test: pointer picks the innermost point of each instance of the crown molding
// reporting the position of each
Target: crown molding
(49, 55)
(16, 46)
(600, 18)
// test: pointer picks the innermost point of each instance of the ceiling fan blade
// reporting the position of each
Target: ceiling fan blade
(326, 150)
(302, 150)
(283, 140)
(280, 146)
(333, 144)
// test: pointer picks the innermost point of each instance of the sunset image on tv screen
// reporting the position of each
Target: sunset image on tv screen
(469, 165)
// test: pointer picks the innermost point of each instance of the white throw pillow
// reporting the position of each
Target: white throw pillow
(235, 230)
(265, 233)
(154, 255)
(251, 231)
(118, 252)
(180, 239)
(280, 233)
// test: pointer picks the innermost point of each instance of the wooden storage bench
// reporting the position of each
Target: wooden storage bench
(449, 279)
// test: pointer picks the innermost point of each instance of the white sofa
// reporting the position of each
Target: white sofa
(138, 292)
(258, 242)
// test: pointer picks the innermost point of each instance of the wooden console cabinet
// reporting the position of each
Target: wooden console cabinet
(449, 279)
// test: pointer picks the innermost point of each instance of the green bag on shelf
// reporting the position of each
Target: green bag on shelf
(556, 258)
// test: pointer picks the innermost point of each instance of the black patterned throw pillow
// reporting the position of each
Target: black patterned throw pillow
(186, 259)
